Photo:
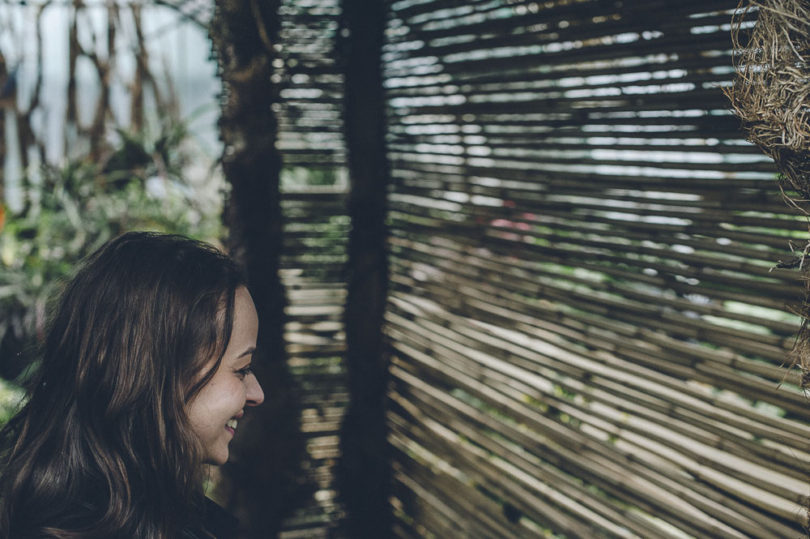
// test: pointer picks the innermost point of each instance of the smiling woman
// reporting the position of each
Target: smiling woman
(144, 375)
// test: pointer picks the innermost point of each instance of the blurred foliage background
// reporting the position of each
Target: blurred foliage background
(115, 135)
(71, 210)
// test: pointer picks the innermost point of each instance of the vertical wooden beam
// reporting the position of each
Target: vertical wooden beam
(364, 470)
(263, 478)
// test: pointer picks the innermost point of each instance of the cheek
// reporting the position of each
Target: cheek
(216, 403)
(202, 411)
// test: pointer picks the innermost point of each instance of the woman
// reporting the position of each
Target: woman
(145, 374)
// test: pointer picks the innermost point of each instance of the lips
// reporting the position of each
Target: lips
(231, 425)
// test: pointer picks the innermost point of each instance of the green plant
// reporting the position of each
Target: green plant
(70, 211)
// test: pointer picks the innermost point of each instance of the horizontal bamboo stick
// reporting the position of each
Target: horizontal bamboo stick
(417, 389)
(490, 395)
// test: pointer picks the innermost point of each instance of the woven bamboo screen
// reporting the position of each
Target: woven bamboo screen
(315, 232)
(310, 121)
(316, 229)
(587, 334)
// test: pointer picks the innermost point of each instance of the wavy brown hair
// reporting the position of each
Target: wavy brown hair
(103, 447)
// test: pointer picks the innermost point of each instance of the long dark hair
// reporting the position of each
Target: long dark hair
(103, 446)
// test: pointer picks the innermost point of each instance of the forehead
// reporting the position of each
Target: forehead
(245, 325)
(244, 330)
(244, 311)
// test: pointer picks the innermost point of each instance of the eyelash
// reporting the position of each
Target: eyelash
(244, 371)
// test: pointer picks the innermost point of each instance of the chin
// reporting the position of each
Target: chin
(219, 461)
(216, 460)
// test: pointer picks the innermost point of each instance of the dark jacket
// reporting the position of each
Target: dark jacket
(217, 523)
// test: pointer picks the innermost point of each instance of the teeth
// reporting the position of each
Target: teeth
(231, 423)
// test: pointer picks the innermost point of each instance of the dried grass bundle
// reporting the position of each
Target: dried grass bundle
(772, 90)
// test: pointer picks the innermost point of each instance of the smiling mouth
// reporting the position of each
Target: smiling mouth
(230, 426)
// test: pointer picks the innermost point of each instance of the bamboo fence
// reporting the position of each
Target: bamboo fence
(587, 331)
(311, 82)
(315, 235)
(316, 229)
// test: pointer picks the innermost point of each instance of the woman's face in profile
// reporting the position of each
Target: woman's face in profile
(215, 411)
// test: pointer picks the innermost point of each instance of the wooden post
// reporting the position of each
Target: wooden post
(261, 482)
(364, 470)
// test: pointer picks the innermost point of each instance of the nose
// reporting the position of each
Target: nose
(255, 394)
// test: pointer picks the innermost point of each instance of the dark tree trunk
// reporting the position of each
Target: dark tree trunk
(364, 471)
(7, 101)
(262, 480)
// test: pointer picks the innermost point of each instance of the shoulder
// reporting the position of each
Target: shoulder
(216, 522)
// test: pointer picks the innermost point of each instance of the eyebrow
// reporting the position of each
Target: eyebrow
(247, 352)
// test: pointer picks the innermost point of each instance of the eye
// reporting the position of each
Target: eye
(244, 371)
